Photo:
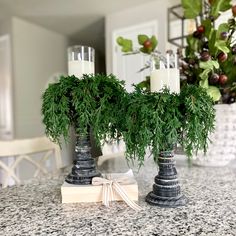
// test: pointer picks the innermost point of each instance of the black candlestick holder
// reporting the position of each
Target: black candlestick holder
(84, 168)
(166, 189)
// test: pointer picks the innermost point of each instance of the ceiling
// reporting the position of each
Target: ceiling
(81, 20)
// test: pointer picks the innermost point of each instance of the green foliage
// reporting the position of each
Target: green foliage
(214, 92)
(222, 46)
(204, 78)
(126, 44)
(149, 45)
(56, 108)
(193, 46)
(209, 64)
(156, 121)
(197, 118)
(154, 42)
(145, 120)
(92, 101)
(207, 67)
(192, 8)
(152, 120)
(142, 38)
(208, 28)
(212, 41)
(145, 84)
(219, 6)
(224, 27)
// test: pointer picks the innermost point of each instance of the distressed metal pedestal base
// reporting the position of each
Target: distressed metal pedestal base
(81, 178)
(166, 189)
(84, 168)
(153, 199)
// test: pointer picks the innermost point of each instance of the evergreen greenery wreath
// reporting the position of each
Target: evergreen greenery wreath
(92, 101)
(159, 120)
(145, 120)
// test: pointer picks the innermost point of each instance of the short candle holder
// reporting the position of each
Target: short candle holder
(166, 189)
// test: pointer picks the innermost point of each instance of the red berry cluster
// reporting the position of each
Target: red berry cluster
(218, 79)
(210, 59)
(205, 56)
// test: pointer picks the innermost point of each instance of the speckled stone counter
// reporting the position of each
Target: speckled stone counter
(35, 208)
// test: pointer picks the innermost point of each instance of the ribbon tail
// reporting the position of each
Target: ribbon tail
(125, 197)
(111, 194)
(105, 193)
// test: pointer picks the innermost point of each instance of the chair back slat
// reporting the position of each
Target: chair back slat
(23, 150)
(25, 146)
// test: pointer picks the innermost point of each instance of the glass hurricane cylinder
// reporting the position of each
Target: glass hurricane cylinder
(81, 60)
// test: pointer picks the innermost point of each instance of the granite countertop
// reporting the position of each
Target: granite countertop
(35, 208)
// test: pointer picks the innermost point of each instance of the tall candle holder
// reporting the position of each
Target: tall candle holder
(166, 189)
(165, 116)
(156, 121)
(81, 60)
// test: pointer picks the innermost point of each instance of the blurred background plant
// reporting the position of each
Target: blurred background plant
(209, 60)
(148, 46)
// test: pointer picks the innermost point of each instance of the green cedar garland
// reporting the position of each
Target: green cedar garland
(198, 116)
(92, 101)
(159, 120)
(145, 120)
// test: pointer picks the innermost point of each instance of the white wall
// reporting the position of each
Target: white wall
(5, 27)
(38, 53)
(6, 32)
(156, 10)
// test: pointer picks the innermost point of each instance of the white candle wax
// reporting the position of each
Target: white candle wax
(158, 80)
(78, 68)
(165, 78)
(174, 79)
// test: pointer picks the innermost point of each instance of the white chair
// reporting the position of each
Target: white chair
(20, 150)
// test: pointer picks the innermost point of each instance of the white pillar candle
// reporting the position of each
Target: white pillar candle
(158, 80)
(174, 79)
(78, 68)
(165, 78)
(81, 60)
